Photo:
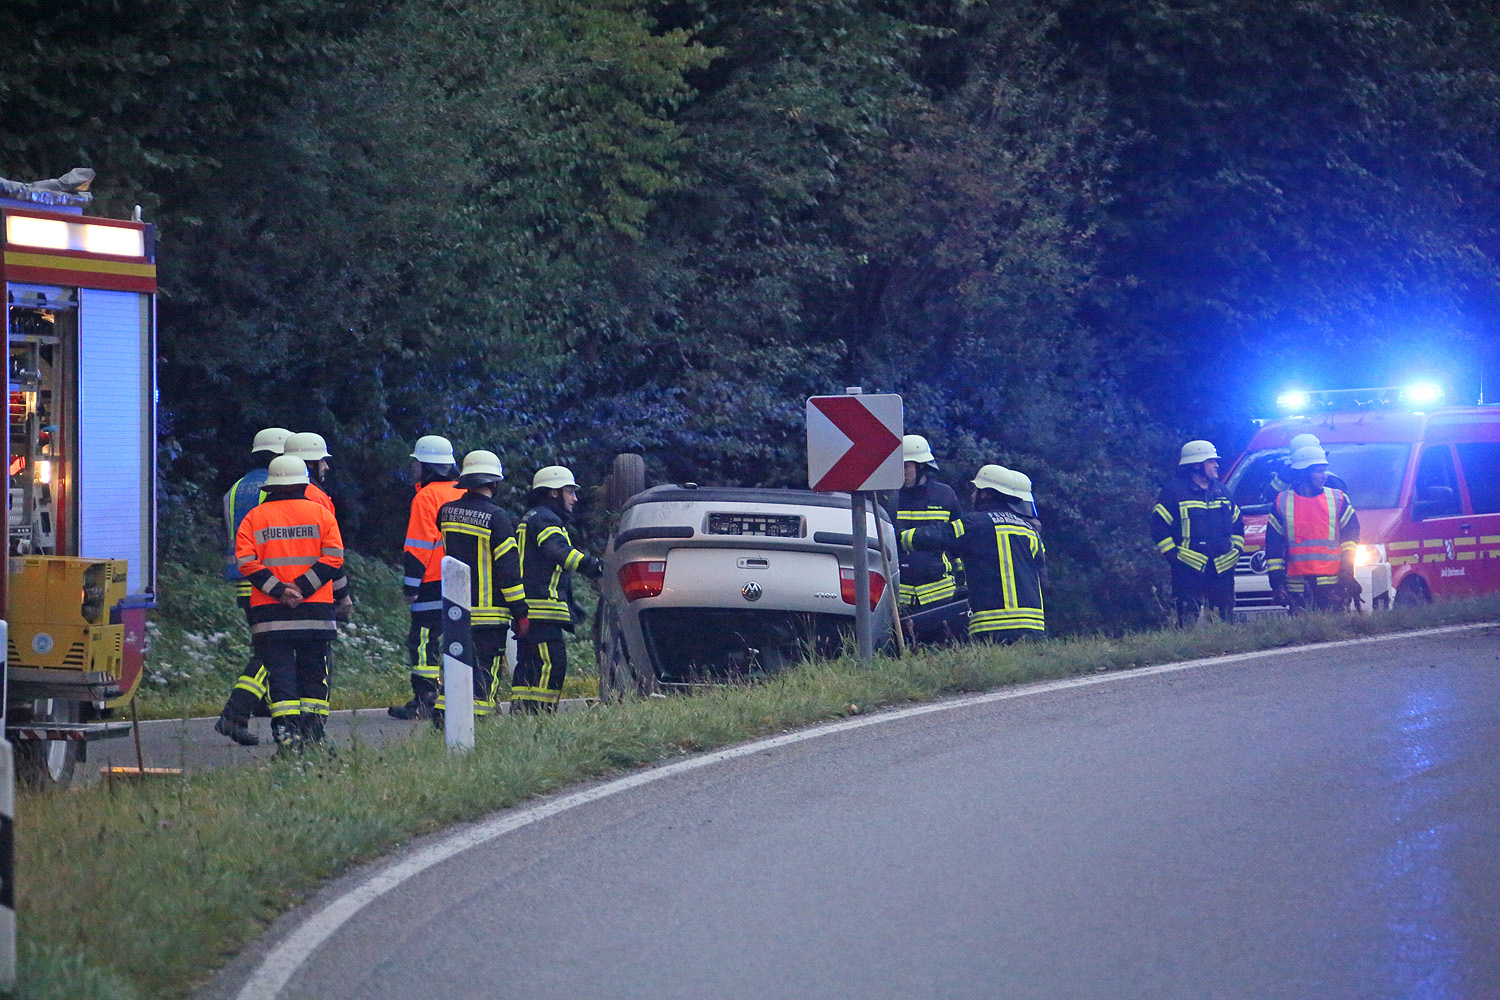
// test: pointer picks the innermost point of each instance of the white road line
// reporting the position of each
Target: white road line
(283, 961)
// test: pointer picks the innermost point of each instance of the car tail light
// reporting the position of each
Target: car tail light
(642, 579)
(846, 586)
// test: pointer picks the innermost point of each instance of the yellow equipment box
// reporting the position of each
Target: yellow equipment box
(59, 613)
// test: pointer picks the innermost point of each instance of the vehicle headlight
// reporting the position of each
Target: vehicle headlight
(1368, 555)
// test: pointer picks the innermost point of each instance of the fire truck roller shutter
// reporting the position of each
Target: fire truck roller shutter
(115, 433)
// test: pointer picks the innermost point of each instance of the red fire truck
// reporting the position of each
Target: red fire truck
(1423, 477)
(81, 525)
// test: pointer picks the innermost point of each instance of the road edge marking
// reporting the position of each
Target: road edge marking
(278, 966)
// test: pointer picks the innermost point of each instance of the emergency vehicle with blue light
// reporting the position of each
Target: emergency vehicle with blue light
(1424, 479)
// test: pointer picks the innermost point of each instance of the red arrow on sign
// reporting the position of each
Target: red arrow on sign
(871, 441)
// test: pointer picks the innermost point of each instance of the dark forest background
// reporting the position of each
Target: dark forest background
(1070, 234)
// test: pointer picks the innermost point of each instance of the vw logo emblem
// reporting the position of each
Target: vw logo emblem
(1258, 562)
(751, 591)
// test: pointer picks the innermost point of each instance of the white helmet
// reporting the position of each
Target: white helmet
(914, 448)
(307, 446)
(287, 470)
(1003, 480)
(553, 477)
(1302, 441)
(272, 439)
(434, 449)
(1197, 451)
(484, 464)
(1308, 456)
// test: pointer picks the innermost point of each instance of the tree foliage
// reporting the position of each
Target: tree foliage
(562, 229)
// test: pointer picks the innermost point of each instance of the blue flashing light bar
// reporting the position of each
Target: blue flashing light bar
(1416, 395)
(1294, 400)
(1422, 393)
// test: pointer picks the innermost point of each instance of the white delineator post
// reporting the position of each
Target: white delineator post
(7, 840)
(458, 657)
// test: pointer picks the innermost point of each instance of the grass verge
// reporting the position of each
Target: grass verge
(133, 892)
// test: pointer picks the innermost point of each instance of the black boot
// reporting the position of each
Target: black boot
(237, 730)
(287, 731)
(417, 708)
(312, 728)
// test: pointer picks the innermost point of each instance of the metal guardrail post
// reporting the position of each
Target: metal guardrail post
(7, 839)
(458, 657)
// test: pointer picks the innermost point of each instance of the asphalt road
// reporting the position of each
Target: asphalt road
(1297, 826)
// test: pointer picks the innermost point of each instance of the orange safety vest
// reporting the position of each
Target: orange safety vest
(288, 537)
(1312, 526)
(424, 542)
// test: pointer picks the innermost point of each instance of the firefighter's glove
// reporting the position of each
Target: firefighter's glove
(522, 627)
(1281, 597)
(410, 598)
(343, 609)
(1353, 592)
(591, 567)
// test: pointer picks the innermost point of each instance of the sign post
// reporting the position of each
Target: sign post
(854, 446)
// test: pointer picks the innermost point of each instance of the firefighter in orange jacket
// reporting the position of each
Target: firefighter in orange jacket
(290, 549)
(436, 473)
(1311, 537)
(251, 687)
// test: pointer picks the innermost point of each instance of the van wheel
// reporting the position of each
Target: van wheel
(1412, 593)
(627, 477)
(48, 764)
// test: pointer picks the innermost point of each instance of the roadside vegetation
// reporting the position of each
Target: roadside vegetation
(137, 891)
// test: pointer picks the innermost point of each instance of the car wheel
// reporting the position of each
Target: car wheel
(1412, 593)
(627, 477)
(49, 764)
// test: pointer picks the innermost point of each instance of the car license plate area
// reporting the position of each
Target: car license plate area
(784, 581)
(763, 525)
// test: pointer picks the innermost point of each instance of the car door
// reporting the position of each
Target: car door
(1479, 467)
(1438, 505)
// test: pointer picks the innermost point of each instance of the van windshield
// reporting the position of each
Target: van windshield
(1372, 473)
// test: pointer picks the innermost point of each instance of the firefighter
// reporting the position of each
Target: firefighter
(1004, 559)
(313, 450)
(290, 550)
(1311, 537)
(1200, 532)
(436, 473)
(927, 578)
(250, 688)
(1281, 478)
(477, 532)
(234, 719)
(548, 560)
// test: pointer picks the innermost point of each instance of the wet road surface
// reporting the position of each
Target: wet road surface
(1308, 825)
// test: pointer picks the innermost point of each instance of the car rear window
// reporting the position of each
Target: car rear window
(1481, 465)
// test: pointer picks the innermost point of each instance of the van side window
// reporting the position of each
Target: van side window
(1481, 464)
(1436, 486)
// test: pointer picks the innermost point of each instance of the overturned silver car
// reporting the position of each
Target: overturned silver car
(716, 584)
